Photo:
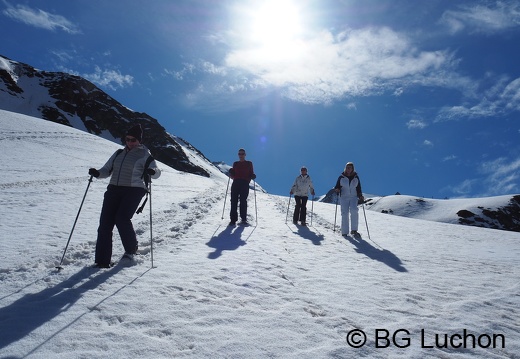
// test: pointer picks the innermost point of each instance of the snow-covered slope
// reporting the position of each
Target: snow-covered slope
(499, 212)
(271, 290)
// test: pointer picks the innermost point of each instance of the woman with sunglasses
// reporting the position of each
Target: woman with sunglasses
(127, 168)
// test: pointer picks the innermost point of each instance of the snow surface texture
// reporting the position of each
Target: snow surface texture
(271, 290)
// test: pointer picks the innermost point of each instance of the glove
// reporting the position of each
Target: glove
(313, 193)
(150, 171)
(361, 200)
(253, 176)
(291, 192)
(232, 171)
(93, 172)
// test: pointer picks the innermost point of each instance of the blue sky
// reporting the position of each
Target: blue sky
(423, 96)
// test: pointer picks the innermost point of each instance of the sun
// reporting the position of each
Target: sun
(276, 21)
(273, 28)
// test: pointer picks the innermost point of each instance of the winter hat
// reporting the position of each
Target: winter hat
(136, 132)
(349, 164)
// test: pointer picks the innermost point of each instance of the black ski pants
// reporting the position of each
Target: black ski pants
(239, 192)
(300, 210)
(119, 206)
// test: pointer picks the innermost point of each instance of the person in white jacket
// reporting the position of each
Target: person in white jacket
(348, 186)
(128, 169)
(300, 188)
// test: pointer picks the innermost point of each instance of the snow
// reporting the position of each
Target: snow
(437, 210)
(269, 290)
(7, 65)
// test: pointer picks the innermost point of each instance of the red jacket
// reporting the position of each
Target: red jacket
(242, 170)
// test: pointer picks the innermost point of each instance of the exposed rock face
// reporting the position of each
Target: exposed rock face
(507, 217)
(73, 101)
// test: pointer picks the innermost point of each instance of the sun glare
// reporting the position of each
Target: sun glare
(273, 29)
(275, 21)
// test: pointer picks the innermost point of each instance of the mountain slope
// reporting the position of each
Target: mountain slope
(500, 212)
(73, 101)
(268, 291)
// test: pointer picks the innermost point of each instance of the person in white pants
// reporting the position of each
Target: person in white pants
(348, 186)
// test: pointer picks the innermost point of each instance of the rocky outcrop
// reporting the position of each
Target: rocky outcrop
(73, 101)
(506, 217)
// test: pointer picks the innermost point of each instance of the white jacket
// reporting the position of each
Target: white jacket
(301, 186)
(126, 168)
(350, 188)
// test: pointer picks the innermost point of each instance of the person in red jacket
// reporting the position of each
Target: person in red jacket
(241, 173)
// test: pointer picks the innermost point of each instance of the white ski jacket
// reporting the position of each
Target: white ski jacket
(126, 168)
(302, 185)
(350, 187)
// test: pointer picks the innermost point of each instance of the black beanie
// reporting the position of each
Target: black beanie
(136, 132)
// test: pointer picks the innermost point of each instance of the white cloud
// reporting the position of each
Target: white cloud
(418, 124)
(428, 143)
(352, 63)
(483, 17)
(500, 176)
(39, 18)
(326, 67)
(501, 99)
(63, 56)
(463, 188)
(449, 158)
(109, 78)
(503, 175)
(352, 106)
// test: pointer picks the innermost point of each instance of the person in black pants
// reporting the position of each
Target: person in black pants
(241, 173)
(127, 169)
(300, 188)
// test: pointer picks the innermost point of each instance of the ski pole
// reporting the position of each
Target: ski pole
(225, 197)
(312, 208)
(256, 208)
(288, 204)
(364, 214)
(151, 235)
(59, 267)
(335, 213)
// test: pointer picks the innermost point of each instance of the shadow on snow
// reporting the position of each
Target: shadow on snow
(307, 233)
(379, 254)
(229, 239)
(33, 310)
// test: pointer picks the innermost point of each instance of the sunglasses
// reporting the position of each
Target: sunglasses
(131, 139)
